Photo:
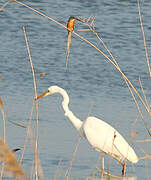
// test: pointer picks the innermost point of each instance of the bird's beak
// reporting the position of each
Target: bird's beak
(43, 95)
(77, 19)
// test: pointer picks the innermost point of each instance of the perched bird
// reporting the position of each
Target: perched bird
(71, 23)
(70, 26)
(100, 135)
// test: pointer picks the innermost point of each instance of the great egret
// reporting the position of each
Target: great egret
(100, 135)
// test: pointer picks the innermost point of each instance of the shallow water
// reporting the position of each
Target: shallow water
(94, 85)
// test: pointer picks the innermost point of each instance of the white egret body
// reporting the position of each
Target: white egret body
(100, 135)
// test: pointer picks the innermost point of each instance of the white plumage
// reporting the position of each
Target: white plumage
(100, 135)
(104, 137)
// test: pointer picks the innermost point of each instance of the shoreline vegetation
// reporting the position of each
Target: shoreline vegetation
(9, 164)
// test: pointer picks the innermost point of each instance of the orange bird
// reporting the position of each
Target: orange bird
(70, 26)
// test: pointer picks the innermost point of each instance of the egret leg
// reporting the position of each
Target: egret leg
(124, 169)
(103, 161)
(102, 165)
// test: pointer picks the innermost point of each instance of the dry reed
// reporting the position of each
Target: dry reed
(41, 75)
(4, 121)
(67, 175)
(114, 63)
(38, 168)
(4, 130)
(4, 5)
(92, 45)
(10, 163)
(57, 171)
(144, 38)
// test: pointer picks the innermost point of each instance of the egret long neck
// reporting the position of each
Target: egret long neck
(77, 123)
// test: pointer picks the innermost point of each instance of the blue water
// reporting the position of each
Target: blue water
(95, 87)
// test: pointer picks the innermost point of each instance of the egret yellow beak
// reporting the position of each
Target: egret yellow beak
(43, 95)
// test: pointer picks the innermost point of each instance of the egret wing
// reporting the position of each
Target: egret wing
(104, 137)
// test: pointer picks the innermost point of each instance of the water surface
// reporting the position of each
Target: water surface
(94, 85)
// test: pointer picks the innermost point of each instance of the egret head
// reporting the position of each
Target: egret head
(51, 90)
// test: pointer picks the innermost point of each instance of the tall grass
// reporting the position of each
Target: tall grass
(10, 164)
(38, 168)
(113, 62)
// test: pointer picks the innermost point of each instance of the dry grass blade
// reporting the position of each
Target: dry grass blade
(38, 168)
(92, 22)
(133, 134)
(134, 122)
(73, 158)
(40, 13)
(138, 108)
(30, 59)
(92, 45)
(142, 28)
(4, 5)
(68, 48)
(89, 18)
(41, 75)
(143, 140)
(147, 156)
(34, 81)
(4, 131)
(84, 30)
(110, 175)
(1, 105)
(18, 124)
(4, 120)
(145, 98)
(10, 163)
(55, 177)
